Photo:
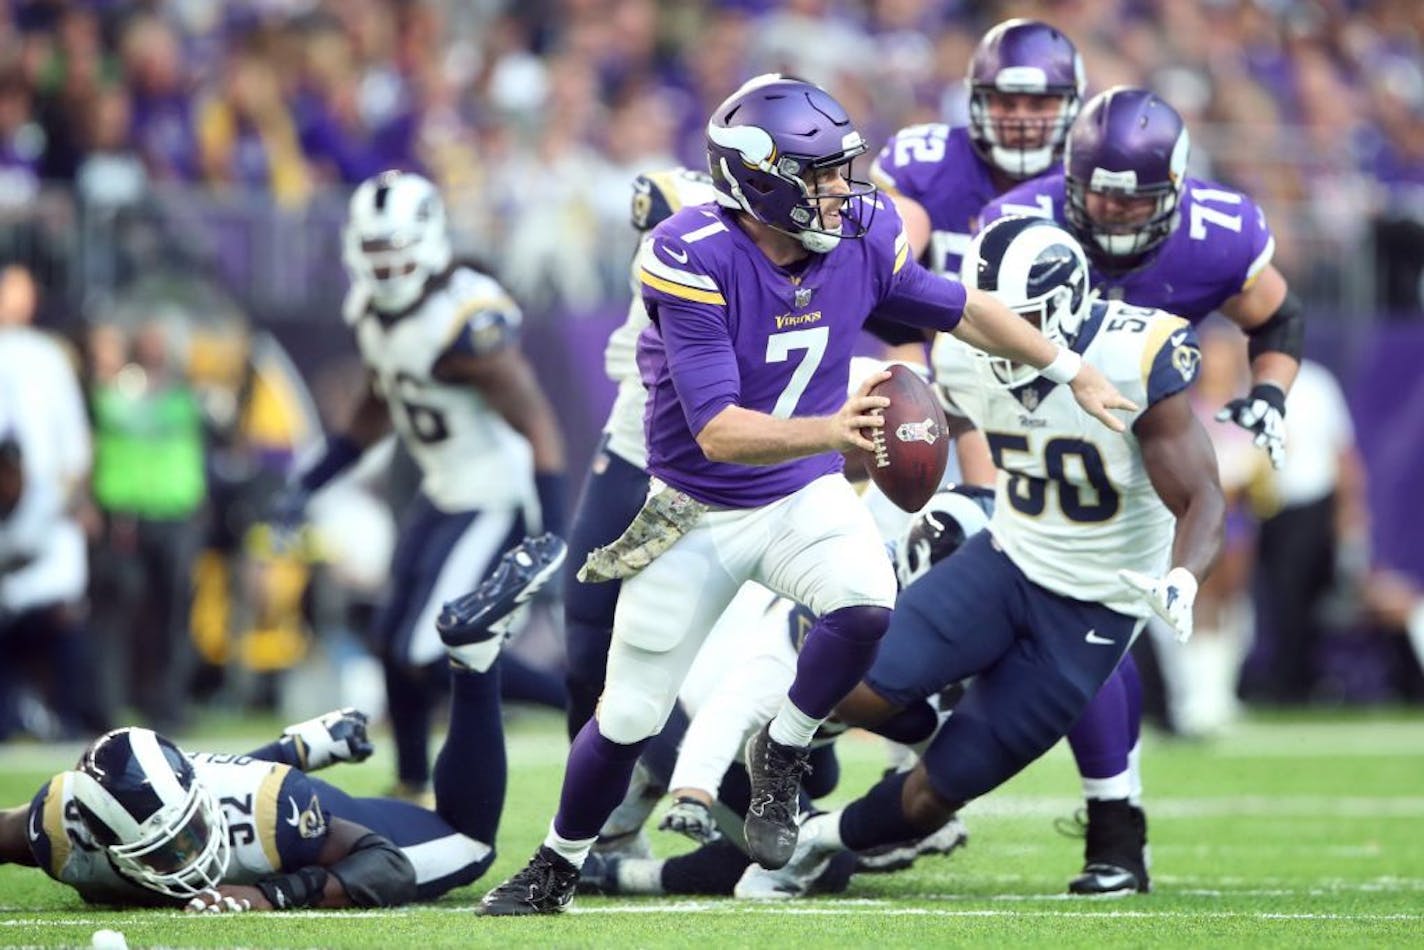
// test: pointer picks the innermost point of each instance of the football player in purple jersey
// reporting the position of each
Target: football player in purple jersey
(1156, 237)
(755, 303)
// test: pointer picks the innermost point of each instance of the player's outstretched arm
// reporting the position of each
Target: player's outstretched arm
(1271, 317)
(747, 437)
(356, 868)
(370, 421)
(990, 326)
(14, 837)
(1181, 463)
(510, 387)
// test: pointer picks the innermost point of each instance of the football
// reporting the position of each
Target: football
(912, 449)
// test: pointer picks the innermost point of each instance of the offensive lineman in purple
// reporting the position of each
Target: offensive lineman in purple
(1158, 238)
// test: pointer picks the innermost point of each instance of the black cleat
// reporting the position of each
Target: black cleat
(1114, 851)
(522, 572)
(545, 886)
(775, 771)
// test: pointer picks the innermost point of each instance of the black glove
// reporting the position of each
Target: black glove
(1263, 413)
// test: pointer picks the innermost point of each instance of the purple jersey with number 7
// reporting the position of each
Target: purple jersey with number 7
(729, 327)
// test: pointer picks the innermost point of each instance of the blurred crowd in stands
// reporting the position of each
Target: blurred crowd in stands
(534, 116)
(172, 180)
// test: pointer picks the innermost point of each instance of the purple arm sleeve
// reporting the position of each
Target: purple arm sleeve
(701, 360)
(922, 299)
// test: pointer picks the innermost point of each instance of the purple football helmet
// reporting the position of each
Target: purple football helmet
(764, 144)
(1127, 143)
(1023, 57)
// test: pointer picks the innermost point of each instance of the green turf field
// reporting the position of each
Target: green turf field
(1293, 832)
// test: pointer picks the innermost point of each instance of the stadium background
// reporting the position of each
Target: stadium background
(184, 166)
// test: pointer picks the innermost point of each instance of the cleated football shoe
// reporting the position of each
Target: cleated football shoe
(775, 771)
(897, 857)
(545, 886)
(473, 626)
(795, 878)
(1114, 851)
(599, 874)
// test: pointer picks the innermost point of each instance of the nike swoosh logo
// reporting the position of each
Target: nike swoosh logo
(1093, 637)
(679, 256)
(296, 819)
(36, 824)
(1178, 338)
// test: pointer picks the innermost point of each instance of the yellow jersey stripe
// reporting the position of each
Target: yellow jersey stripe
(901, 255)
(54, 827)
(1158, 332)
(472, 307)
(1259, 264)
(265, 814)
(678, 290)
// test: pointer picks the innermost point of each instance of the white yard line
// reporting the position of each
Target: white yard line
(776, 908)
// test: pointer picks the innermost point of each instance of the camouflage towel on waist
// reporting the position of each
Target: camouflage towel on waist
(667, 515)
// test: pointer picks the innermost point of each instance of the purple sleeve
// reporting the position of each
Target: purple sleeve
(921, 298)
(700, 357)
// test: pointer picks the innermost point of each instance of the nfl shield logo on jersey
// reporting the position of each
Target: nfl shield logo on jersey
(803, 296)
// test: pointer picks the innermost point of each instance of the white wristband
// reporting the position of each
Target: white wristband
(1064, 367)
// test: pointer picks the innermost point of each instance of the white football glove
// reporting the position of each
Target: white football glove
(337, 736)
(1170, 597)
(1263, 413)
(691, 818)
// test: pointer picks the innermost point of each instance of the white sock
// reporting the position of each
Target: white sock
(573, 851)
(792, 727)
(1113, 787)
(1134, 774)
(640, 876)
(477, 656)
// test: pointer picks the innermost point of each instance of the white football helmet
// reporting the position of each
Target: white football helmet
(1039, 271)
(395, 238)
(140, 797)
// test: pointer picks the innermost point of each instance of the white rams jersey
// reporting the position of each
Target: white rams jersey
(655, 196)
(276, 823)
(469, 456)
(1074, 504)
(43, 557)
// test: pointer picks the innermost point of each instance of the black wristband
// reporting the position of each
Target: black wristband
(1272, 394)
(302, 888)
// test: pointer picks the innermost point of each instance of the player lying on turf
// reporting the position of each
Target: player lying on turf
(1090, 536)
(709, 779)
(140, 823)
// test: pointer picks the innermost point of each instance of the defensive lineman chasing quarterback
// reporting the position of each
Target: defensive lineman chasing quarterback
(756, 302)
(1090, 536)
